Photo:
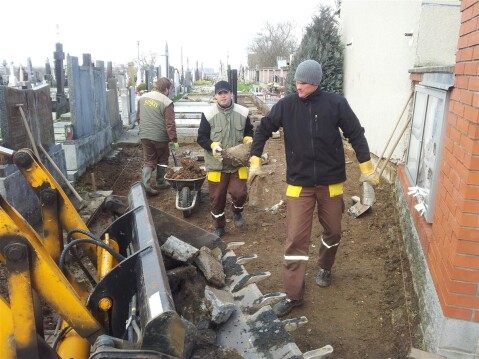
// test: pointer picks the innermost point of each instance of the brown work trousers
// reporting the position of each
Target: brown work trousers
(218, 191)
(299, 221)
(154, 153)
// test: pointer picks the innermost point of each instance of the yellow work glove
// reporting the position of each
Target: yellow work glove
(368, 174)
(217, 150)
(174, 146)
(247, 139)
(255, 168)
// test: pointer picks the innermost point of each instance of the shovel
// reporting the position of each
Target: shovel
(175, 160)
(368, 199)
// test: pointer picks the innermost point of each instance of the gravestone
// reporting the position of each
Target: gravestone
(12, 79)
(124, 101)
(37, 108)
(92, 115)
(30, 73)
(48, 73)
(61, 105)
(109, 70)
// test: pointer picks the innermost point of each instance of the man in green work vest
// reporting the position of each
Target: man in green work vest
(156, 116)
(222, 126)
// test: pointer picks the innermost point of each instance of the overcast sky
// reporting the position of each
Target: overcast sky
(206, 32)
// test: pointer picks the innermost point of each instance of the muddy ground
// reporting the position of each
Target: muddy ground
(369, 311)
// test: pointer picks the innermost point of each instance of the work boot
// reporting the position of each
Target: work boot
(324, 278)
(161, 182)
(238, 220)
(285, 306)
(146, 176)
(220, 232)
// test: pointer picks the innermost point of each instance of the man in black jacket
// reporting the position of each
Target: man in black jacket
(312, 122)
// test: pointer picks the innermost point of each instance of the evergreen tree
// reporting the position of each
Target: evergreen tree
(321, 42)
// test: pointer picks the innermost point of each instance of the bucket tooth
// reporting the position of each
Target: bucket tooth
(267, 299)
(249, 279)
(294, 323)
(257, 336)
(246, 259)
(234, 245)
(321, 353)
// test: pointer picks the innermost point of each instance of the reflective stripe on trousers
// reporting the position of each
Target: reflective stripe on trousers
(218, 191)
(299, 217)
(328, 246)
(216, 216)
(296, 258)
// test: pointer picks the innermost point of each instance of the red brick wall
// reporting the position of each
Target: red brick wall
(451, 243)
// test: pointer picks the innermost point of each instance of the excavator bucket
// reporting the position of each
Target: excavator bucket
(139, 282)
(252, 323)
(232, 309)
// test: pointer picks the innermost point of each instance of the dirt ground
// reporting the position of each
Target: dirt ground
(369, 311)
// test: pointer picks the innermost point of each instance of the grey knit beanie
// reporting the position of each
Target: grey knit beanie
(310, 72)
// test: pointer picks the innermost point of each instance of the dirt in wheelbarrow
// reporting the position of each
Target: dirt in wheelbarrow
(190, 169)
(369, 311)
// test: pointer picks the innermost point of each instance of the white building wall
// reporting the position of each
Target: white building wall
(381, 38)
(438, 33)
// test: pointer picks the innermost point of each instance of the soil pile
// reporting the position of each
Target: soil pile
(190, 169)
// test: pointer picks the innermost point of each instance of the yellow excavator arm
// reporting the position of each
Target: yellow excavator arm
(36, 269)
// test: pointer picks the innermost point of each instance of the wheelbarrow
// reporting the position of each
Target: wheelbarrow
(187, 192)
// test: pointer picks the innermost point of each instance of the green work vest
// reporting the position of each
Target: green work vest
(227, 127)
(152, 116)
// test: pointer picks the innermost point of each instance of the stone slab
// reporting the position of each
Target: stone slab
(420, 354)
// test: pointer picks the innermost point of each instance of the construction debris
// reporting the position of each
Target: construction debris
(211, 267)
(179, 250)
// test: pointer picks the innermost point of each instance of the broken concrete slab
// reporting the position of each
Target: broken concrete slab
(211, 267)
(179, 250)
(221, 304)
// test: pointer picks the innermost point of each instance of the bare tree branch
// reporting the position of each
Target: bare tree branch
(272, 42)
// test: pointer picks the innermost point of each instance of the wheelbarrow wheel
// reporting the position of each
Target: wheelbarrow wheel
(185, 201)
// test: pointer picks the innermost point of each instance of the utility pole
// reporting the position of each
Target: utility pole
(182, 76)
(167, 63)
